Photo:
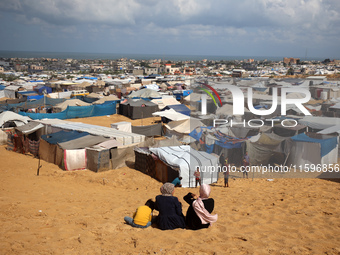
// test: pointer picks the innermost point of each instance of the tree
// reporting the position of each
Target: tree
(290, 71)
(326, 61)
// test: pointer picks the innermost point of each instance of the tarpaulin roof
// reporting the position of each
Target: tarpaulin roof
(29, 128)
(181, 108)
(106, 99)
(319, 122)
(137, 102)
(145, 93)
(82, 142)
(63, 136)
(184, 126)
(171, 114)
(162, 102)
(70, 102)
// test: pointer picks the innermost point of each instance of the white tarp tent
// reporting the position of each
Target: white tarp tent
(165, 101)
(187, 159)
(145, 93)
(184, 126)
(302, 150)
(12, 116)
(71, 102)
(171, 114)
(319, 122)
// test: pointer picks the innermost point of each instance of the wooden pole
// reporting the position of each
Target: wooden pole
(39, 166)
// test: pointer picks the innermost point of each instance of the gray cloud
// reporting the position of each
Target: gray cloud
(309, 22)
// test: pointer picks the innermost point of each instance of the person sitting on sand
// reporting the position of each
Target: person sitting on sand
(199, 212)
(143, 215)
(177, 182)
(170, 209)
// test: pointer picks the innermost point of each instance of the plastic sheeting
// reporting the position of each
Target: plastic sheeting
(327, 145)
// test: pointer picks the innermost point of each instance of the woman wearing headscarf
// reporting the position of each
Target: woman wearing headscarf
(170, 209)
(200, 209)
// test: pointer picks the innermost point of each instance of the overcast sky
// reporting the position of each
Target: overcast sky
(181, 27)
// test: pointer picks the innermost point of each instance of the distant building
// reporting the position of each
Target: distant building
(151, 70)
(238, 73)
(158, 65)
(36, 68)
(291, 61)
(169, 69)
(20, 68)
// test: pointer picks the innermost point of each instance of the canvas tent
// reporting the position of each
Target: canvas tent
(265, 149)
(71, 102)
(106, 99)
(185, 160)
(303, 149)
(165, 101)
(171, 114)
(9, 118)
(137, 109)
(145, 93)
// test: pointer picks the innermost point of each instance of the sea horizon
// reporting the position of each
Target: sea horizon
(138, 56)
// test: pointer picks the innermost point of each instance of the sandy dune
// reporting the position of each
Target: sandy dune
(82, 212)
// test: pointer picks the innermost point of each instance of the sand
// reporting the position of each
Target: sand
(82, 212)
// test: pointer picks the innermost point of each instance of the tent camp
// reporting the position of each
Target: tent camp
(185, 160)
(137, 108)
(303, 149)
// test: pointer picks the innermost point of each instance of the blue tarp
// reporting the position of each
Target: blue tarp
(223, 141)
(89, 78)
(2, 87)
(183, 93)
(89, 100)
(42, 89)
(147, 98)
(327, 145)
(181, 108)
(72, 112)
(63, 136)
(36, 97)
